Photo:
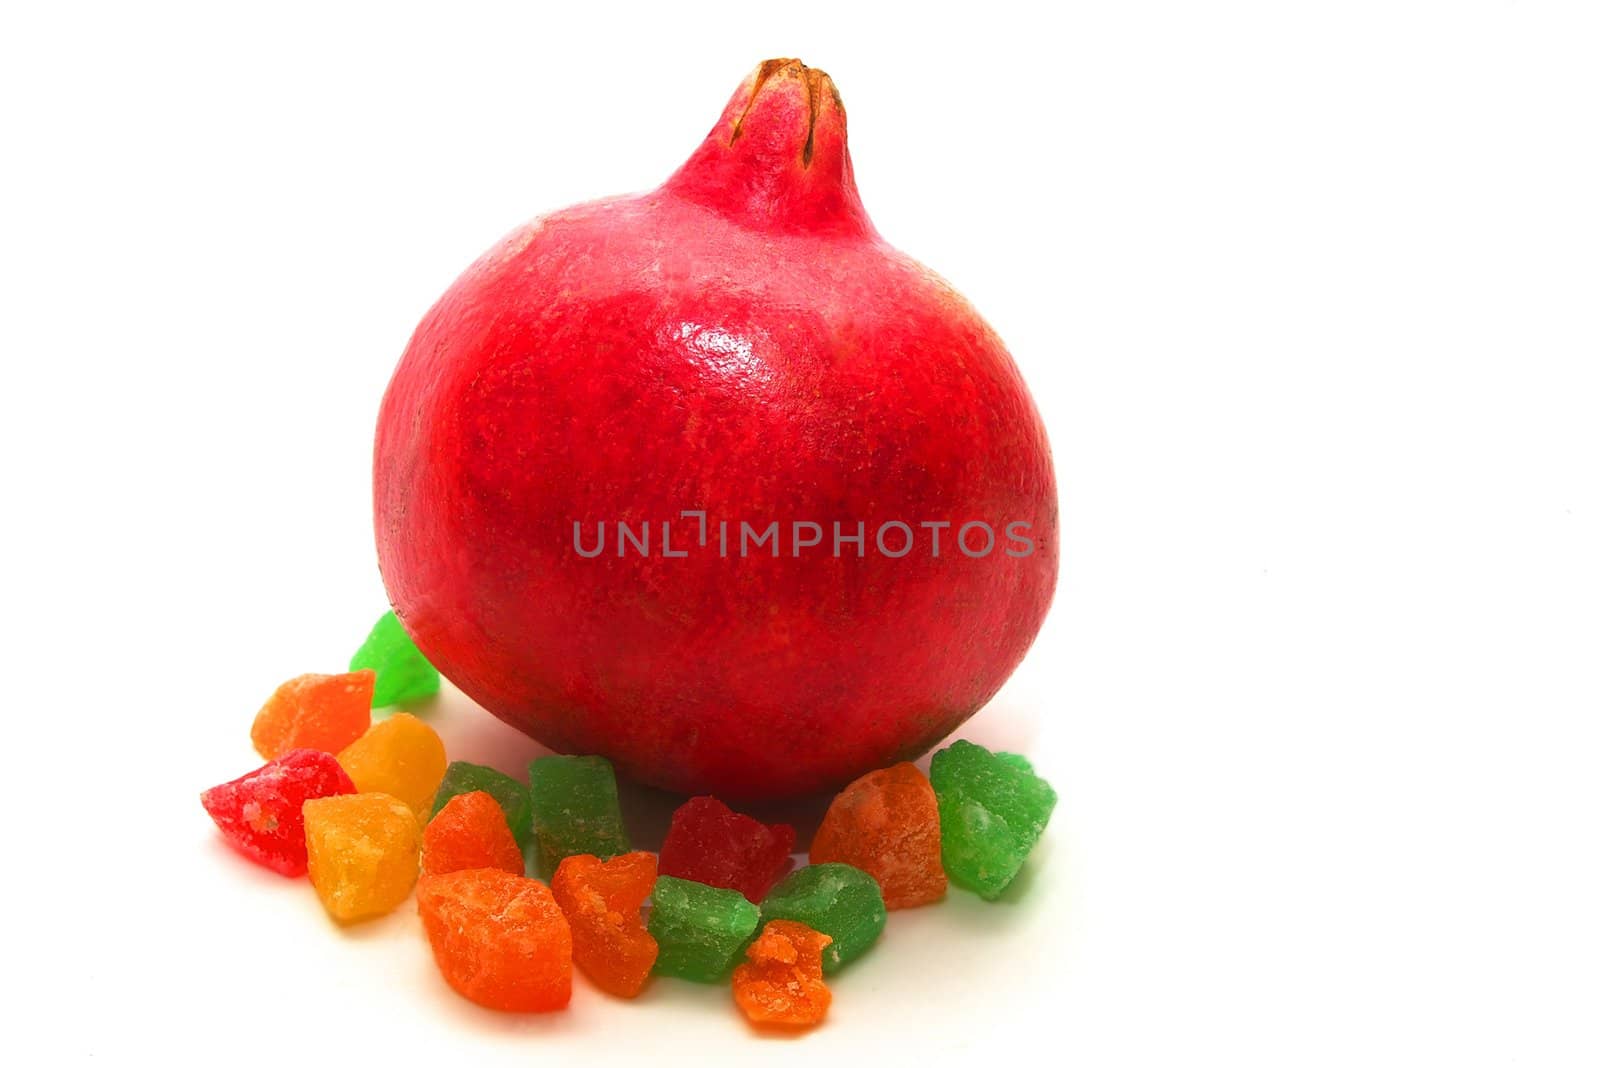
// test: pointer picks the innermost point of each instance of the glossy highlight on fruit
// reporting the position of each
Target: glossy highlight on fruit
(741, 345)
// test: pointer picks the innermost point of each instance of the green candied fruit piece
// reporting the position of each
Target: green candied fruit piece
(839, 900)
(700, 930)
(1015, 760)
(404, 674)
(575, 809)
(992, 810)
(514, 797)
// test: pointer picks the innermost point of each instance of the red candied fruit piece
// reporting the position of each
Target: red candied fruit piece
(710, 843)
(259, 813)
(469, 832)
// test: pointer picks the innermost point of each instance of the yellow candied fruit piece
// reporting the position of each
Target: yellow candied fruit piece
(401, 756)
(363, 852)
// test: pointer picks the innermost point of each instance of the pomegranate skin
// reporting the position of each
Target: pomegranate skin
(738, 342)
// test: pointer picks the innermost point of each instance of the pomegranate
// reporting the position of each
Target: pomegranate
(715, 482)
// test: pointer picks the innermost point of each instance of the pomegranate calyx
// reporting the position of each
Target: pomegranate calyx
(778, 159)
(819, 87)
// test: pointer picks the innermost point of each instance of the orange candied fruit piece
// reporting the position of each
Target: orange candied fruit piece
(325, 712)
(470, 831)
(402, 756)
(499, 939)
(782, 981)
(602, 900)
(887, 824)
(361, 853)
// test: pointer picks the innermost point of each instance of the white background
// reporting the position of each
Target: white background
(1307, 294)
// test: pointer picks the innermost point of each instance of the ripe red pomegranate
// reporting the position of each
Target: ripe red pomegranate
(739, 343)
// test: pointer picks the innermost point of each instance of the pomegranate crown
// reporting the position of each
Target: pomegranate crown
(778, 159)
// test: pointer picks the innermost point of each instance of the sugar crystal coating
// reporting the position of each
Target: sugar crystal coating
(362, 852)
(499, 939)
(402, 756)
(259, 812)
(781, 981)
(601, 900)
(699, 929)
(841, 901)
(469, 832)
(710, 843)
(325, 712)
(404, 674)
(575, 809)
(992, 810)
(460, 777)
(887, 824)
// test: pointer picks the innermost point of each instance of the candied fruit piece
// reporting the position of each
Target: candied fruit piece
(601, 900)
(781, 982)
(469, 832)
(887, 824)
(499, 939)
(1015, 760)
(700, 929)
(710, 843)
(325, 712)
(842, 902)
(362, 851)
(461, 777)
(259, 813)
(404, 674)
(992, 810)
(401, 756)
(575, 809)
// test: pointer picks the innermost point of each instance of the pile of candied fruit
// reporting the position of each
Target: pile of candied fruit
(372, 810)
